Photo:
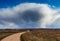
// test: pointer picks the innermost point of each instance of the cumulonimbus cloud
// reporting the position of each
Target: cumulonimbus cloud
(16, 18)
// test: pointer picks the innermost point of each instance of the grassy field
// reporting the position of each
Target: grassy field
(41, 35)
(6, 32)
(3, 35)
(34, 35)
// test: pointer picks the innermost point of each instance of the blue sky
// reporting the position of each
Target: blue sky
(23, 14)
(11, 3)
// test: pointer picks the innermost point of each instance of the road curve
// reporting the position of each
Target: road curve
(14, 37)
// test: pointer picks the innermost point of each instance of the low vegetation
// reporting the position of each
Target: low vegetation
(41, 35)
(3, 35)
(6, 32)
(34, 35)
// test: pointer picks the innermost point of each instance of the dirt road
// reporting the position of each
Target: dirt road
(14, 37)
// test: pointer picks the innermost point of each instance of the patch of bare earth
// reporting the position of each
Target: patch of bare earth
(14, 37)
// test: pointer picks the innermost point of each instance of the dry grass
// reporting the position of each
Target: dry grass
(34, 35)
(41, 35)
(3, 35)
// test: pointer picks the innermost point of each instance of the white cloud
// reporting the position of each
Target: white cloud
(8, 25)
(50, 14)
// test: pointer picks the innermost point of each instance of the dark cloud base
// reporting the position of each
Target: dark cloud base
(28, 15)
(26, 19)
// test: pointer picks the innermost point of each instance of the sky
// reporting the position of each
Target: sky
(11, 3)
(29, 14)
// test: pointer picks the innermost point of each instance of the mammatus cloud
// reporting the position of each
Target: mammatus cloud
(28, 15)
